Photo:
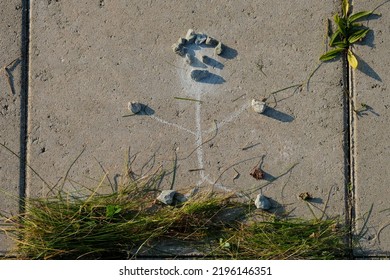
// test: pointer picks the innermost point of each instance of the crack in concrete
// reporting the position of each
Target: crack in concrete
(24, 84)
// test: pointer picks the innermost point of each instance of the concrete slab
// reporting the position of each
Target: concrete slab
(88, 60)
(10, 92)
(372, 134)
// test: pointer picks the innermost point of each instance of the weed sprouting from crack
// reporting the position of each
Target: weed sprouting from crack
(348, 32)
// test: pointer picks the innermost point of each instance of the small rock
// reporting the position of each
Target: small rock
(135, 107)
(166, 197)
(258, 106)
(257, 173)
(189, 58)
(191, 36)
(262, 202)
(210, 41)
(305, 196)
(182, 41)
(218, 49)
(200, 38)
(179, 49)
(198, 75)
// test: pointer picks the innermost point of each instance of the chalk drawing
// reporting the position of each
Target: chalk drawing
(200, 91)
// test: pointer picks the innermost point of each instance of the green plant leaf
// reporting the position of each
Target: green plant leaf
(341, 44)
(352, 59)
(358, 16)
(335, 38)
(358, 35)
(341, 24)
(331, 54)
(345, 8)
(111, 210)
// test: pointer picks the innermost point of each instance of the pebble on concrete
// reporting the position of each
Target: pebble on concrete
(262, 202)
(190, 36)
(218, 49)
(198, 75)
(258, 106)
(166, 196)
(179, 49)
(200, 38)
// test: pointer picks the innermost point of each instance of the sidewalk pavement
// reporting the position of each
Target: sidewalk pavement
(371, 134)
(10, 108)
(88, 60)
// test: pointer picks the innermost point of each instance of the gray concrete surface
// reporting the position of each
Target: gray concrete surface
(88, 60)
(372, 134)
(10, 92)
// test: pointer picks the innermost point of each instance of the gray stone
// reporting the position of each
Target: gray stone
(200, 38)
(179, 49)
(262, 202)
(166, 196)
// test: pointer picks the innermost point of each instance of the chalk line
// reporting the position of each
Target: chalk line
(229, 119)
(173, 124)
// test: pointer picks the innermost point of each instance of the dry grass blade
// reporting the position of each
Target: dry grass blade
(130, 223)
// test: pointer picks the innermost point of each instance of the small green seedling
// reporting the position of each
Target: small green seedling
(348, 32)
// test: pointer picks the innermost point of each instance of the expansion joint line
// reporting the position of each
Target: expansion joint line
(350, 149)
(24, 94)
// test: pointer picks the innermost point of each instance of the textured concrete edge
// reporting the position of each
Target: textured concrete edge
(23, 91)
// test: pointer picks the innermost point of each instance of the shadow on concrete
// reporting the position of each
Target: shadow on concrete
(366, 69)
(276, 207)
(212, 62)
(229, 53)
(195, 61)
(268, 177)
(9, 74)
(213, 79)
(316, 200)
(364, 112)
(146, 110)
(278, 115)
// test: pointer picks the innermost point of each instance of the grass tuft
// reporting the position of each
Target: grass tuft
(130, 223)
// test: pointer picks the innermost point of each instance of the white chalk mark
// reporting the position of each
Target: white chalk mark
(173, 124)
(229, 119)
(199, 142)
(222, 187)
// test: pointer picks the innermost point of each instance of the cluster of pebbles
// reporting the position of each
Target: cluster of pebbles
(181, 48)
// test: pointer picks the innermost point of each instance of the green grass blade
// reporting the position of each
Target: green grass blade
(358, 16)
(188, 99)
(331, 54)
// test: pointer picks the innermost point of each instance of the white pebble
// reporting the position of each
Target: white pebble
(258, 106)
